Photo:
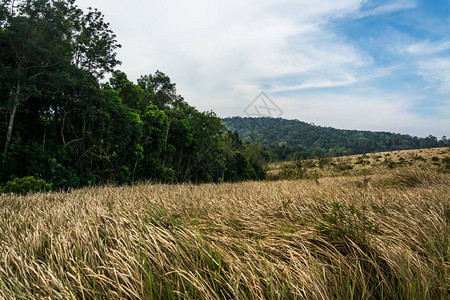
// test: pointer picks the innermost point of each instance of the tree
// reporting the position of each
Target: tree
(42, 38)
(160, 89)
(118, 80)
(131, 95)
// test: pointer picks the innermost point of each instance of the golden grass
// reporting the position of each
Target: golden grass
(370, 237)
(370, 163)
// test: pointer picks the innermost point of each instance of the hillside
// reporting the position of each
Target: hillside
(436, 159)
(287, 137)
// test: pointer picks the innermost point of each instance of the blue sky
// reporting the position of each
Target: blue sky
(353, 64)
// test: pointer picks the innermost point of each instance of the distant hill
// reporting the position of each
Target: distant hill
(287, 137)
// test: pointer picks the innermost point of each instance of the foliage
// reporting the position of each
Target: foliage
(294, 170)
(346, 221)
(26, 185)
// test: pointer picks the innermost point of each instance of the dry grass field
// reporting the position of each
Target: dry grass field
(364, 164)
(370, 236)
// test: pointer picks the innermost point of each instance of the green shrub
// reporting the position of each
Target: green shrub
(401, 161)
(26, 185)
(389, 163)
(63, 177)
(446, 163)
(294, 170)
(168, 175)
(342, 166)
(347, 221)
(323, 161)
(359, 160)
(418, 157)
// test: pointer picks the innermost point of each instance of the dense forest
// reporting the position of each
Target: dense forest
(286, 138)
(62, 123)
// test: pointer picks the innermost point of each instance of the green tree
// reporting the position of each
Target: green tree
(118, 80)
(131, 95)
(160, 90)
(45, 40)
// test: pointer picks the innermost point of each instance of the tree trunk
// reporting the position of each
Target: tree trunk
(62, 128)
(10, 128)
(165, 144)
(11, 119)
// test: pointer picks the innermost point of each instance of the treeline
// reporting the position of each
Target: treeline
(285, 138)
(60, 124)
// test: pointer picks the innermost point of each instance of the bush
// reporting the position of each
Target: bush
(347, 221)
(389, 163)
(63, 177)
(342, 166)
(324, 161)
(294, 170)
(446, 163)
(168, 175)
(26, 185)
(418, 157)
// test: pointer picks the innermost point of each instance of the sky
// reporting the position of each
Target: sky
(380, 65)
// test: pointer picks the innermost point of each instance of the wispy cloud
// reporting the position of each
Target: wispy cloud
(387, 8)
(436, 72)
(428, 48)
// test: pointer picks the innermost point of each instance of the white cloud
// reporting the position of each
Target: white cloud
(427, 47)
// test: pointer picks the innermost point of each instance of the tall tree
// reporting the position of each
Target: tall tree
(44, 37)
(161, 90)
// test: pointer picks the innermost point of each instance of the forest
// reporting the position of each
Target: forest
(70, 118)
(283, 139)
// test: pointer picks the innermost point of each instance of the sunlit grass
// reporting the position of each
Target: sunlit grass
(370, 237)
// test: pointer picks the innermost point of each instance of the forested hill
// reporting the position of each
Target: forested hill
(287, 137)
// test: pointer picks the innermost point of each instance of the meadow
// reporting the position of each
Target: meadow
(382, 233)
(361, 164)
